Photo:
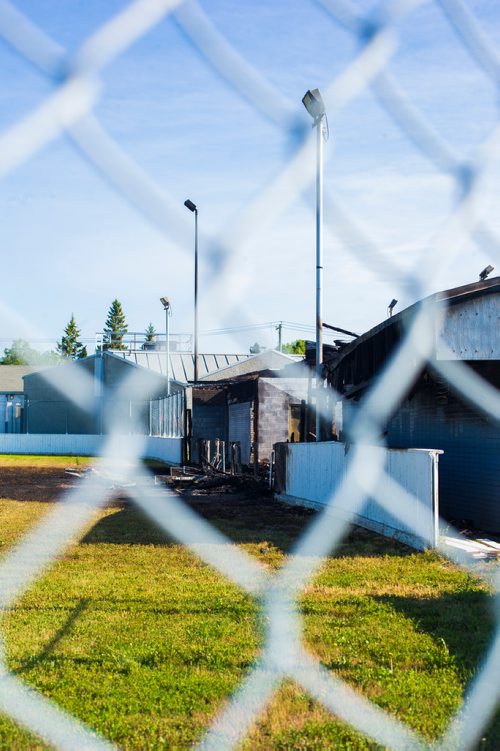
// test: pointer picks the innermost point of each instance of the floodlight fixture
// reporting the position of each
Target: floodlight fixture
(391, 306)
(190, 205)
(165, 302)
(486, 272)
(313, 102)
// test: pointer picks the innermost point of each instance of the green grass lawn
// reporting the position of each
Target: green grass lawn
(33, 460)
(136, 636)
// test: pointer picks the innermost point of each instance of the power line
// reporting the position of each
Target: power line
(290, 325)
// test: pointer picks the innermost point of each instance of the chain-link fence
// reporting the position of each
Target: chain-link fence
(70, 109)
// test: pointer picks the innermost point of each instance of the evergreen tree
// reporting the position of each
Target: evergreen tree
(150, 334)
(70, 346)
(115, 327)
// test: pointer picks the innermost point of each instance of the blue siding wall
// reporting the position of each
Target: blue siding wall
(469, 469)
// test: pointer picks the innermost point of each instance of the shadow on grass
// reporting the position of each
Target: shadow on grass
(464, 623)
(243, 519)
(127, 526)
(49, 647)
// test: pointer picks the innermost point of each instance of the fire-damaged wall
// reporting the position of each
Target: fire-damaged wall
(432, 416)
(255, 411)
(208, 419)
(277, 397)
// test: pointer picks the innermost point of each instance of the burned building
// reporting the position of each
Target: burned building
(434, 414)
(255, 410)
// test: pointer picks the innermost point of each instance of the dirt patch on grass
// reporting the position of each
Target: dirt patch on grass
(45, 484)
(245, 514)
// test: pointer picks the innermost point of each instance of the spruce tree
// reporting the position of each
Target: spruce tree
(150, 334)
(115, 327)
(70, 346)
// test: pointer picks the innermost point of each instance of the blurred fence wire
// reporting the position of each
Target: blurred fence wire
(70, 110)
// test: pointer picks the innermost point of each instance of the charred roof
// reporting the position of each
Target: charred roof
(356, 363)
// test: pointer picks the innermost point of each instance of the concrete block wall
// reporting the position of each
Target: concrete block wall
(275, 397)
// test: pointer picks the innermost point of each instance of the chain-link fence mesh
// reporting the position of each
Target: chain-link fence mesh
(70, 109)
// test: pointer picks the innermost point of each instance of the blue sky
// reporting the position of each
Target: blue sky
(72, 243)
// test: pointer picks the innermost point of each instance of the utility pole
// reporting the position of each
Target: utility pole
(168, 312)
(192, 207)
(319, 266)
(196, 296)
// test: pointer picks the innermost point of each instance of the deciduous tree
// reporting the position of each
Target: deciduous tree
(20, 353)
(297, 347)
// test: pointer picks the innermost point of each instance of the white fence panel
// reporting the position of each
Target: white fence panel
(168, 450)
(314, 471)
(51, 444)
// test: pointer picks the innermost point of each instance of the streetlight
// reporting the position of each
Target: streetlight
(168, 312)
(314, 104)
(391, 306)
(192, 207)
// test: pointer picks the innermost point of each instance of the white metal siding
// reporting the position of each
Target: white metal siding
(470, 330)
(314, 471)
(165, 449)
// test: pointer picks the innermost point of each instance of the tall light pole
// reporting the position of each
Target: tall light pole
(192, 207)
(314, 104)
(168, 312)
